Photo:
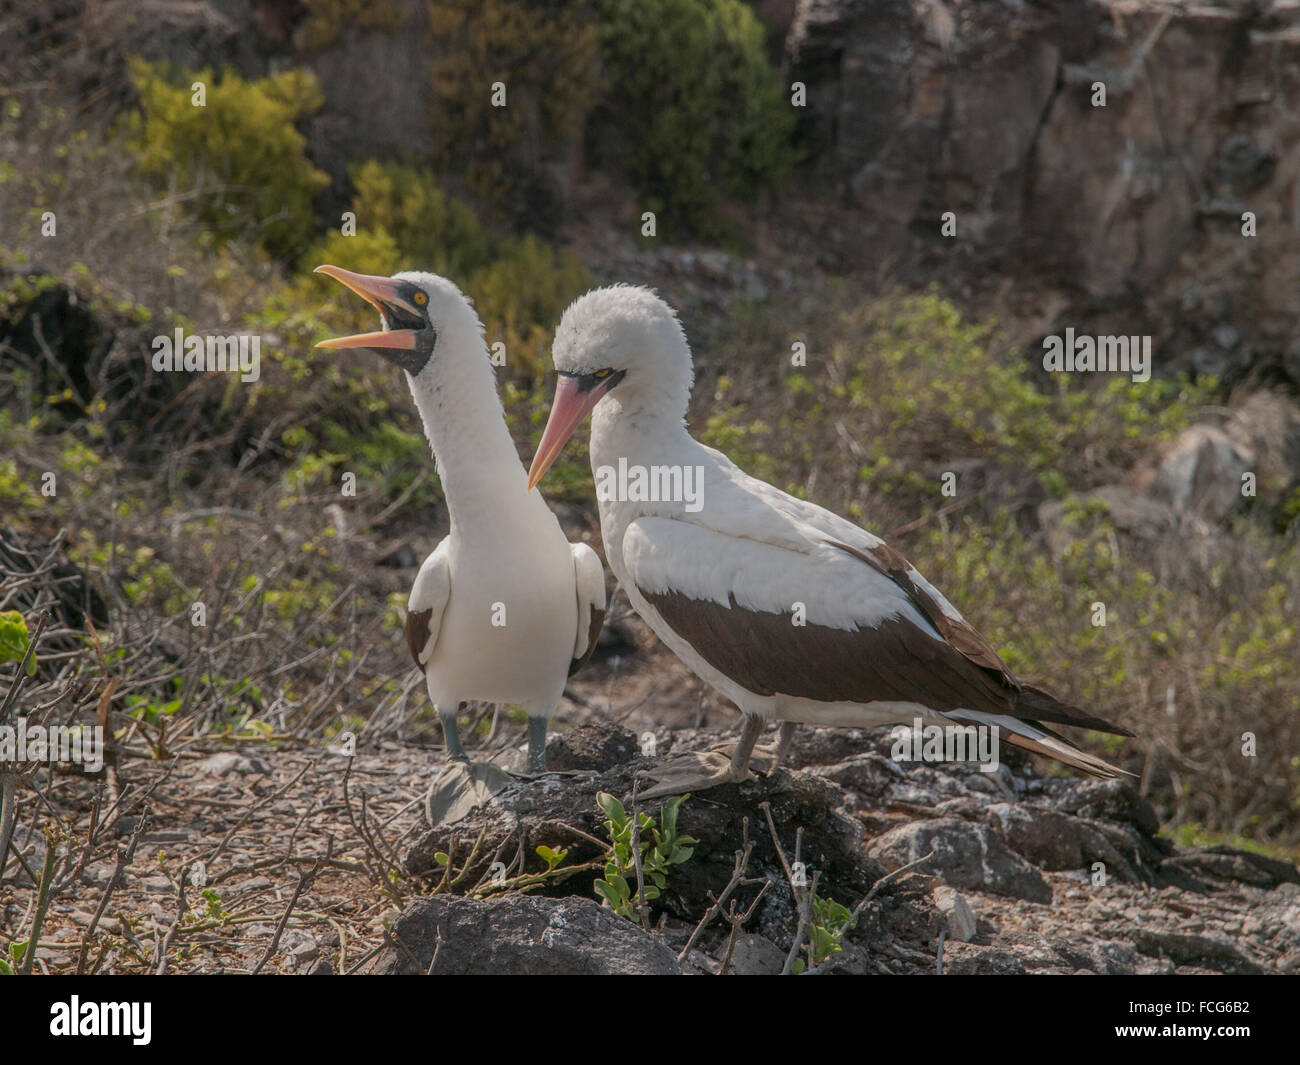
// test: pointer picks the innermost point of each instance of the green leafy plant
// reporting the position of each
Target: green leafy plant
(547, 55)
(216, 911)
(14, 640)
(404, 221)
(521, 295)
(240, 153)
(829, 922)
(659, 845)
(12, 959)
(151, 711)
(710, 115)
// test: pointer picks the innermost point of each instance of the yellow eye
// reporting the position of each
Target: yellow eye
(602, 373)
(420, 299)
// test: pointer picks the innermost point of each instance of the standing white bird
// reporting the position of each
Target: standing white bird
(505, 609)
(792, 612)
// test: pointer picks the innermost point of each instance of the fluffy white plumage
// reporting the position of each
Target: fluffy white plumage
(752, 553)
(504, 605)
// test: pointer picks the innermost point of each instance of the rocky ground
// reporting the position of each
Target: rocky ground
(302, 860)
(1027, 874)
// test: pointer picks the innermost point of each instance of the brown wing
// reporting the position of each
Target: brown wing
(959, 634)
(593, 631)
(417, 632)
(1030, 703)
(768, 654)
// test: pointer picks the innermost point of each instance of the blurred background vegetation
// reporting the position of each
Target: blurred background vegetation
(176, 488)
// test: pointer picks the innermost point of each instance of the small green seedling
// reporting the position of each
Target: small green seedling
(216, 911)
(829, 923)
(14, 639)
(12, 960)
(660, 845)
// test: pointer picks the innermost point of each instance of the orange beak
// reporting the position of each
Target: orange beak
(384, 294)
(570, 406)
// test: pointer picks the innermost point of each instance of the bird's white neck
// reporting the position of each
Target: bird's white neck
(626, 426)
(483, 480)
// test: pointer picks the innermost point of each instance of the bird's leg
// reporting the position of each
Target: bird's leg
(749, 734)
(451, 736)
(783, 744)
(536, 746)
(763, 759)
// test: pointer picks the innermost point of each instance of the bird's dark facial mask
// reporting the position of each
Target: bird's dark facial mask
(576, 394)
(409, 339)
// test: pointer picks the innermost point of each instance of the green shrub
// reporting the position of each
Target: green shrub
(700, 108)
(521, 295)
(326, 19)
(545, 54)
(405, 221)
(1186, 667)
(369, 251)
(386, 460)
(404, 207)
(239, 158)
(905, 386)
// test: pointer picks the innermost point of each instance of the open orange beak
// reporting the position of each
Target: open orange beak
(570, 406)
(384, 294)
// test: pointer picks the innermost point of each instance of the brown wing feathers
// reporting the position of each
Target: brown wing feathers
(417, 632)
(1030, 703)
(1034, 704)
(593, 631)
(895, 660)
(768, 654)
(958, 633)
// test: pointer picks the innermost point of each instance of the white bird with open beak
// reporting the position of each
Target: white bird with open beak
(793, 613)
(505, 609)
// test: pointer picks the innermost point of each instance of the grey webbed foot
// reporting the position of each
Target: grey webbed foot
(460, 787)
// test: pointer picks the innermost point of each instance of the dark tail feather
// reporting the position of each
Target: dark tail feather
(1034, 704)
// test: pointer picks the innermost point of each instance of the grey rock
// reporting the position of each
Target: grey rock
(756, 956)
(1111, 800)
(987, 847)
(965, 855)
(301, 945)
(985, 962)
(956, 910)
(1191, 949)
(219, 765)
(1057, 841)
(1202, 471)
(1229, 864)
(560, 811)
(916, 107)
(1141, 517)
(1267, 425)
(520, 934)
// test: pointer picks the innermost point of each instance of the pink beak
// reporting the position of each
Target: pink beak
(382, 293)
(570, 406)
